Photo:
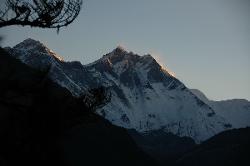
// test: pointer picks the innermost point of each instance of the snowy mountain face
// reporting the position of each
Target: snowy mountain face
(144, 96)
(235, 111)
(71, 75)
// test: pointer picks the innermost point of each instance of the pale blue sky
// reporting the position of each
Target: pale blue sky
(206, 43)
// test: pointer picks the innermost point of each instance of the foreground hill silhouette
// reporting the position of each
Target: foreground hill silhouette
(41, 123)
(229, 148)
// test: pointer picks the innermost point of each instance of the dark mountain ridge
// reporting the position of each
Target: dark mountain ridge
(41, 122)
(229, 148)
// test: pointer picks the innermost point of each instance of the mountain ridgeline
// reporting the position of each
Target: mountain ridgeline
(144, 96)
(150, 118)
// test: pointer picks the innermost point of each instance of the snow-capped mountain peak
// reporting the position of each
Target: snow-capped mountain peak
(119, 54)
(34, 46)
(144, 96)
(123, 59)
(30, 44)
(131, 69)
(120, 48)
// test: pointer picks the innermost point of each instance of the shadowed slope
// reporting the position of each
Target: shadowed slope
(41, 123)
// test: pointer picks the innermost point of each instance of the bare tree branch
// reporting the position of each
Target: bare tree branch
(40, 13)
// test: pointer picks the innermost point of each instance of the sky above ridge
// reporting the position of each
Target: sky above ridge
(205, 43)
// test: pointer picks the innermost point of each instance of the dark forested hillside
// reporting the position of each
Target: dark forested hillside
(229, 148)
(42, 124)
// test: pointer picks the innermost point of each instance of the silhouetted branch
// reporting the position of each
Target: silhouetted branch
(40, 13)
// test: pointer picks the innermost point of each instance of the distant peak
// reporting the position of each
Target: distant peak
(120, 49)
(30, 40)
(29, 44)
(148, 56)
(36, 46)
